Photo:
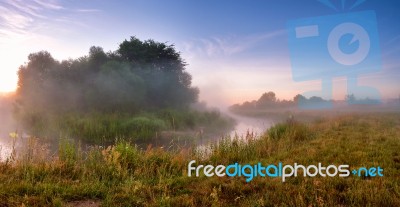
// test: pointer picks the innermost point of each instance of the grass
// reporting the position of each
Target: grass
(101, 128)
(106, 128)
(123, 175)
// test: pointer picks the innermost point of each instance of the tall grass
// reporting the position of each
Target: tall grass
(110, 127)
(106, 128)
(124, 175)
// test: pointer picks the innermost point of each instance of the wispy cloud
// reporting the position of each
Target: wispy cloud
(14, 20)
(88, 10)
(22, 18)
(19, 18)
(49, 4)
(28, 9)
(229, 45)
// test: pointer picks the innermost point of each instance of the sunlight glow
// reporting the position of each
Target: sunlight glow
(8, 75)
(9, 85)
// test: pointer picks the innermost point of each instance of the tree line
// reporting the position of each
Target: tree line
(268, 100)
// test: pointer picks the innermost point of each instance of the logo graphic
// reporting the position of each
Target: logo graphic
(325, 47)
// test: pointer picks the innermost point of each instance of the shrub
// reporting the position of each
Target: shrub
(290, 130)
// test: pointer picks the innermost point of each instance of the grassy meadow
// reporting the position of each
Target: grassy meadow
(124, 175)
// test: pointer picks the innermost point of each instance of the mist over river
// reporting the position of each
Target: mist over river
(168, 140)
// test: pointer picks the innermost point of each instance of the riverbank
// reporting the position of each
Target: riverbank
(123, 175)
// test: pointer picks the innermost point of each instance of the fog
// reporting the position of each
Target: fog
(7, 124)
(143, 93)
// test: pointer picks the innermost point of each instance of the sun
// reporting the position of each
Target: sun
(13, 55)
(8, 77)
(8, 83)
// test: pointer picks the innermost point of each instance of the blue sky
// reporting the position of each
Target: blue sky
(236, 50)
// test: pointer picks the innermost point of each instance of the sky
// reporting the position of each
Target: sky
(235, 50)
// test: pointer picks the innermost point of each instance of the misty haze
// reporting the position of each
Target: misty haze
(142, 103)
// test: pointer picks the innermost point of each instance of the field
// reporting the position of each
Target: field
(123, 175)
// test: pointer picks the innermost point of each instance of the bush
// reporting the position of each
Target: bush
(277, 131)
(290, 130)
(143, 127)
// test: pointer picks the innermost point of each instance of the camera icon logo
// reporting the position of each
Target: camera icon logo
(325, 47)
(358, 33)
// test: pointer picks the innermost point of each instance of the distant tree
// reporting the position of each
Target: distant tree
(316, 99)
(350, 98)
(266, 100)
(299, 98)
(249, 105)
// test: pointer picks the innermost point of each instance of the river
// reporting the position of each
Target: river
(244, 126)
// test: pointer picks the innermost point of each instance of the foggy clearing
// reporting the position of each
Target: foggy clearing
(133, 115)
(199, 103)
(141, 93)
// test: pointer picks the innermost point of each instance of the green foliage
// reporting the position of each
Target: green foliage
(290, 129)
(67, 152)
(277, 131)
(104, 128)
(144, 127)
(107, 128)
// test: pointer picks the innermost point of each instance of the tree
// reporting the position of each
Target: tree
(266, 100)
(316, 99)
(299, 98)
(163, 70)
(350, 98)
(140, 75)
(97, 57)
(34, 78)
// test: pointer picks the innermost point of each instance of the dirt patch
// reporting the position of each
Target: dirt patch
(85, 203)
